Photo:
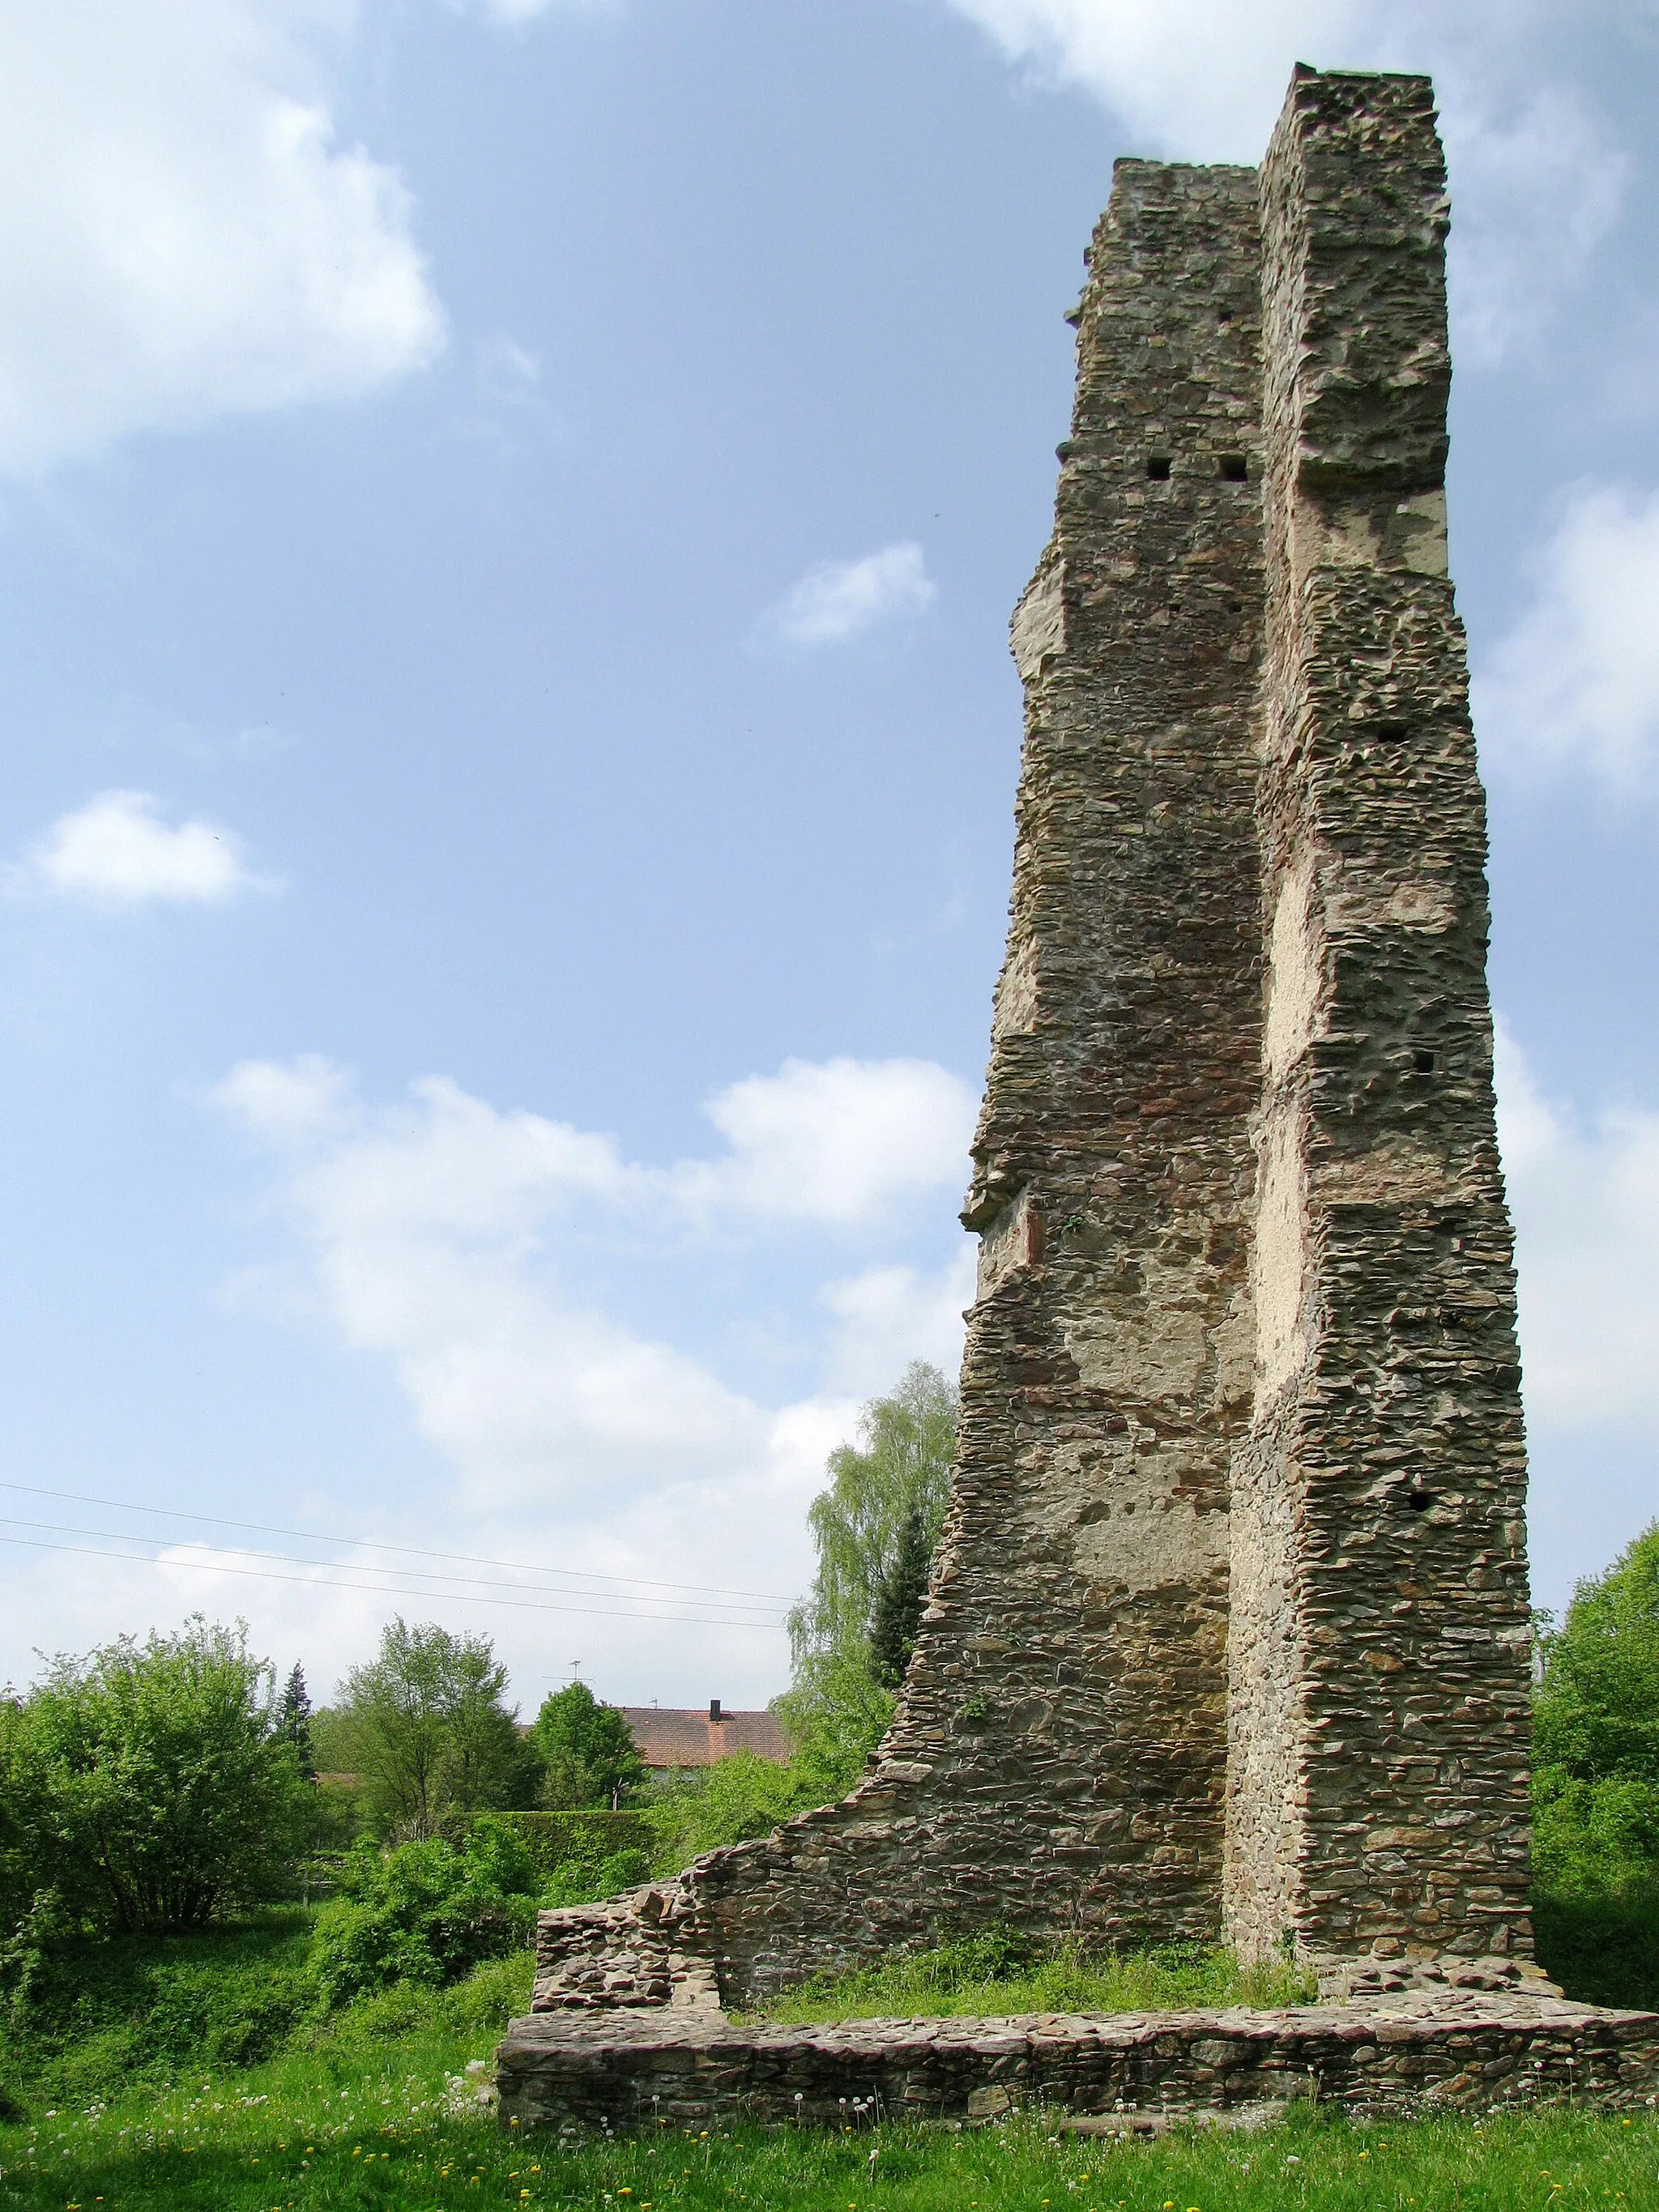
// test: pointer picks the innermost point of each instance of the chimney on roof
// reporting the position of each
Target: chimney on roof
(714, 1709)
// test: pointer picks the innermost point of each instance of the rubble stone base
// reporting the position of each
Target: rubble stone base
(683, 2068)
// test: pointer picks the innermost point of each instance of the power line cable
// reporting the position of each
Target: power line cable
(406, 1551)
(368, 1567)
(458, 1597)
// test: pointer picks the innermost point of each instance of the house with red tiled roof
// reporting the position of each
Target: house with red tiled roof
(667, 1736)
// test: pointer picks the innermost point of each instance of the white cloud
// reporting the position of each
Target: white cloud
(837, 600)
(514, 14)
(1584, 1190)
(837, 1140)
(1575, 684)
(1585, 1196)
(1531, 198)
(1199, 80)
(1536, 178)
(889, 1315)
(441, 1234)
(180, 235)
(475, 1253)
(116, 851)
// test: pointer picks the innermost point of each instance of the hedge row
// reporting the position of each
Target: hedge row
(553, 1840)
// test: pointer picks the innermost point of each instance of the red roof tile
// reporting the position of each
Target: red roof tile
(667, 1736)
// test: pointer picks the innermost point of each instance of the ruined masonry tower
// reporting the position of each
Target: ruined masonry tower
(1228, 1632)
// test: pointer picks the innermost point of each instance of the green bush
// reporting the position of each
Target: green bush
(92, 2016)
(552, 1840)
(739, 1796)
(425, 1913)
(146, 1786)
(584, 1881)
(1602, 1950)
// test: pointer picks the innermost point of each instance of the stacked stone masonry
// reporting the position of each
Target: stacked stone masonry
(1117, 2074)
(1228, 1627)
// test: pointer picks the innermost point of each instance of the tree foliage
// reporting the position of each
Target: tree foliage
(293, 1720)
(834, 1715)
(899, 1467)
(899, 1602)
(586, 1751)
(426, 1911)
(148, 1786)
(1595, 1734)
(424, 1726)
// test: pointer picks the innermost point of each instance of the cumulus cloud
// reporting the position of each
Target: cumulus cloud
(1575, 684)
(838, 599)
(835, 1141)
(1585, 1196)
(888, 1315)
(445, 1235)
(117, 851)
(493, 1263)
(1533, 196)
(1584, 1187)
(1536, 177)
(1200, 80)
(181, 234)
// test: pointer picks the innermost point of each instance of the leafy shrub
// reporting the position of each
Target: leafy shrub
(93, 2016)
(583, 1882)
(424, 1912)
(1602, 1950)
(147, 1784)
(739, 1796)
(553, 1840)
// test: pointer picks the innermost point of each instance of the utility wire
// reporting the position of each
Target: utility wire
(460, 1597)
(406, 1551)
(368, 1567)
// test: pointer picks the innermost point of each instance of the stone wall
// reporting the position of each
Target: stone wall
(1379, 1634)
(1118, 2071)
(1228, 1623)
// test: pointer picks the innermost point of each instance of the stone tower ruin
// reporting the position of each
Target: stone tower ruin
(1227, 1631)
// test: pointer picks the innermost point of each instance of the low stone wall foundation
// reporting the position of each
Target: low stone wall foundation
(1471, 2052)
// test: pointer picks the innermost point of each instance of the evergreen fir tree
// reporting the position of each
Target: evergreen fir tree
(899, 1601)
(293, 1720)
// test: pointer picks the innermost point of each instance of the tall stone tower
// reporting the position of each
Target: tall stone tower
(1227, 1631)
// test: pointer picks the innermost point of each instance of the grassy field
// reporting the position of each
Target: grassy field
(353, 2129)
(164, 2077)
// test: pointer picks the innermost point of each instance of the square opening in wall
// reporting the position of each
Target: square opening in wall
(1157, 467)
(1233, 468)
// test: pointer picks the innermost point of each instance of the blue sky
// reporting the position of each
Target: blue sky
(508, 516)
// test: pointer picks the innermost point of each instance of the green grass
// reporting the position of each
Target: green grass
(132, 2096)
(374, 2131)
(983, 1977)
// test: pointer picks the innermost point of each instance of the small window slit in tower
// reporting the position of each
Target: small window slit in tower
(1233, 468)
(1157, 467)
(1424, 1062)
(1391, 732)
(1420, 1501)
